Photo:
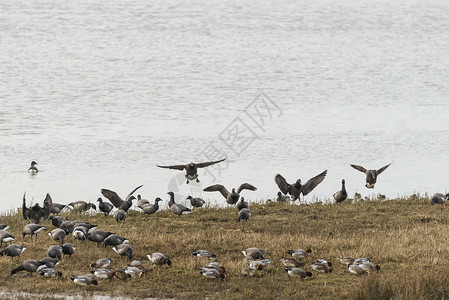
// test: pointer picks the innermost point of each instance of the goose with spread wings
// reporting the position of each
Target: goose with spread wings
(371, 175)
(296, 189)
(192, 168)
(36, 213)
(233, 196)
(119, 202)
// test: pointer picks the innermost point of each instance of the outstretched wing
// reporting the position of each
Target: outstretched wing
(246, 186)
(113, 197)
(312, 183)
(177, 167)
(383, 168)
(47, 206)
(132, 192)
(217, 187)
(360, 168)
(25, 210)
(282, 184)
(205, 164)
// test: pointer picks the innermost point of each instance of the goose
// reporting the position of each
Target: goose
(32, 229)
(254, 253)
(281, 198)
(291, 262)
(119, 215)
(55, 251)
(49, 262)
(242, 204)
(203, 253)
(371, 175)
(33, 169)
(4, 227)
(58, 234)
(84, 280)
(114, 240)
(79, 233)
(295, 190)
(124, 250)
(244, 214)
(192, 168)
(233, 196)
(103, 273)
(300, 253)
(57, 220)
(158, 258)
(69, 226)
(297, 272)
(105, 207)
(439, 198)
(30, 266)
(151, 208)
(102, 263)
(12, 251)
(117, 201)
(50, 272)
(68, 249)
(141, 202)
(36, 213)
(196, 202)
(177, 209)
(5, 237)
(56, 208)
(81, 206)
(98, 236)
(212, 273)
(341, 195)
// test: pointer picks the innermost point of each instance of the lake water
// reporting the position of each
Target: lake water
(99, 92)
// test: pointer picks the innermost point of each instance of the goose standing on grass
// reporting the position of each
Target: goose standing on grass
(177, 209)
(81, 206)
(151, 208)
(141, 202)
(12, 251)
(68, 249)
(33, 169)
(298, 272)
(4, 227)
(196, 202)
(192, 168)
(119, 202)
(281, 198)
(341, 195)
(104, 207)
(124, 250)
(30, 266)
(32, 229)
(79, 233)
(244, 214)
(58, 234)
(242, 204)
(57, 220)
(371, 175)
(5, 237)
(119, 215)
(85, 280)
(439, 198)
(114, 240)
(55, 251)
(49, 262)
(233, 196)
(98, 236)
(158, 258)
(36, 213)
(295, 190)
(56, 208)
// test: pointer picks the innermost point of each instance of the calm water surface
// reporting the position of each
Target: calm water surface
(99, 92)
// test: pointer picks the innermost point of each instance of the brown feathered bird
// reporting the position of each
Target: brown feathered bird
(371, 175)
(119, 202)
(233, 196)
(192, 168)
(35, 213)
(296, 189)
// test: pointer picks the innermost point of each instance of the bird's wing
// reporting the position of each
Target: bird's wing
(217, 187)
(383, 168)
(313, 182)
(177, 167)
(205, 164)
(113, 197)
(360, 168)
(246, 186)
(25, 210)
(282, 184)
(47, 206)
(132, 192)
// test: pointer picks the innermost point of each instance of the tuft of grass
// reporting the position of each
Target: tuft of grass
(407, 237)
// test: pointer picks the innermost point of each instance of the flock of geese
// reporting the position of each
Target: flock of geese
(80, 230)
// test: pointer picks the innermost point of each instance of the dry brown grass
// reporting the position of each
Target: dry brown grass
(409, 239)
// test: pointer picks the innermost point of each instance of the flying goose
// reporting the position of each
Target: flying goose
(84, 280)
(196, 202)
(124, 250)
(296, 189)
(30, 266)
(244, 214)
(341, 195)
(233, 196)
(5, 237)
(151, 208)
(81, 206)
(32, 229)
(105, 207)
(119, 215)
(371, 175)
(158, 258)
(192, 168)
(36, 213)
(177, 209)
(297, 272)
(33, 169)
(119, 202)
(439, 198)
(12, 251)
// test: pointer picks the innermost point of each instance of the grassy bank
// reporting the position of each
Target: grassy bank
(408, 238)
